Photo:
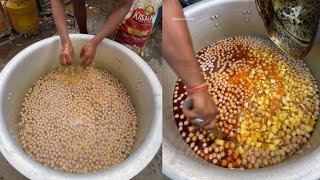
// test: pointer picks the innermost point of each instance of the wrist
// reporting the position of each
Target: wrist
(200, 88)
(198, 94)
(96, 40)
(194, 84)
(66, 43)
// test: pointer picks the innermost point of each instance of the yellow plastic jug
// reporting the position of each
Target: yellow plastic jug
(23, 14)
(3, 28)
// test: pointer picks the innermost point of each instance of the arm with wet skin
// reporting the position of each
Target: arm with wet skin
(89, 50)
(178, 52)
(60, 18)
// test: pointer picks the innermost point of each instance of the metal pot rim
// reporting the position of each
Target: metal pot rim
(183, 165)
(136, 162)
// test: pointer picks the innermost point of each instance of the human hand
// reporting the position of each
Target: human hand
(87, 53)
(203, 107)
(66, 54)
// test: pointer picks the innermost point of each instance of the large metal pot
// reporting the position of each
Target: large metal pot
(210, 21)
(37, 60)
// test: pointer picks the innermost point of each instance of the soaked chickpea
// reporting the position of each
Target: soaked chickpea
(268, 103)
(78, 121)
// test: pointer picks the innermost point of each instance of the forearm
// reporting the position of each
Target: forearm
(113, 20)
(177, 45)
(60, 19)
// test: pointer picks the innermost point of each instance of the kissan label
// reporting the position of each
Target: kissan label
(145, 15)
(136, 29)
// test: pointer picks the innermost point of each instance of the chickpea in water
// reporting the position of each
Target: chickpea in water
(268, 103)
(78, 121)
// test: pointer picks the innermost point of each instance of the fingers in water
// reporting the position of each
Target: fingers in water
(192, 114)
(69, 61)
(84, 60)
(210, 125)
(88, 62)
(62, 60)
(201, 124)
(82, 53)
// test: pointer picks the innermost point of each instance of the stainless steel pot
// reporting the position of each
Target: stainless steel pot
(38, 59)
(209, 21)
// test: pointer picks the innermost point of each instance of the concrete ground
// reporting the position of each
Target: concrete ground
(96, 11)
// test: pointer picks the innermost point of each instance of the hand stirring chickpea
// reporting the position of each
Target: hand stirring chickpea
(178, 52)
(88, 51)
